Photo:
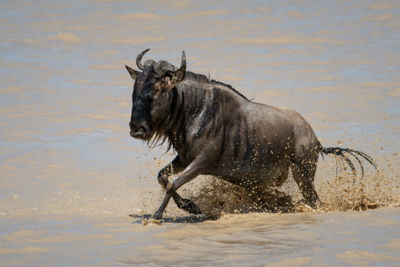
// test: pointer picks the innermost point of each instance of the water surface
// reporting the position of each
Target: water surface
(70, 173)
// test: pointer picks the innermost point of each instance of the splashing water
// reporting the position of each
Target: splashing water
(343, 192)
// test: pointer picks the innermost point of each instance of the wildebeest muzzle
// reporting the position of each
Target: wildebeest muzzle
(140, 130)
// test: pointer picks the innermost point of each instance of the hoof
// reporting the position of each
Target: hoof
(188, 205)
(309, 204)
(157, 216)
(315, 204)
(303, 207)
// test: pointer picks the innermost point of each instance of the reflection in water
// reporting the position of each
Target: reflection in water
(71, 174)
(147, 218)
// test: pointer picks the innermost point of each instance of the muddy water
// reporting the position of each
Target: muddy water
(331, 239)
(70, 173)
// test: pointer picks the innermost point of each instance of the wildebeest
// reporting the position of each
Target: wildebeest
(215, 130)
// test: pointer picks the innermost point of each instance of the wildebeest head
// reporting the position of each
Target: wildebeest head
(150, 96)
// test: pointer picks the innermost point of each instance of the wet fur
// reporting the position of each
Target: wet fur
(215, 130)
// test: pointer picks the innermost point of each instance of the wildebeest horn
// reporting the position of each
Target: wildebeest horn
(139, 59)
(183, 61)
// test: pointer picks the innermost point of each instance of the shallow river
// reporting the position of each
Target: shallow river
(70, 174)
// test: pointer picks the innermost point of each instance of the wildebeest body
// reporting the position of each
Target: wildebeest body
(215, 130)
(248, 143)
(248, 149)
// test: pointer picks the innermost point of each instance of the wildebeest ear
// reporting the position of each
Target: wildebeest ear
(171, 79)
(179, 75)
(132, 72)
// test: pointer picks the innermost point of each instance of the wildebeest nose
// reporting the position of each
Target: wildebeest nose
(143, 127)
(138, 127)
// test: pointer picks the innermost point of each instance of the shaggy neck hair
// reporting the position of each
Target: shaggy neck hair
(187, 97)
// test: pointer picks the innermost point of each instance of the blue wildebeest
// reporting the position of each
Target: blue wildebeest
(217, 131)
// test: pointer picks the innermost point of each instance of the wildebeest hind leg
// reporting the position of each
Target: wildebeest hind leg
(303, 174)
(182, 203)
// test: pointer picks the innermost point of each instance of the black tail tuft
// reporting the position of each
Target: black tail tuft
(339, 151)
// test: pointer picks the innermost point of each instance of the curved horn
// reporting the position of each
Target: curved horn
(183, 62)
(139, 59)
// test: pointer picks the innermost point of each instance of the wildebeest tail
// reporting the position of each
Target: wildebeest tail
(343, 153)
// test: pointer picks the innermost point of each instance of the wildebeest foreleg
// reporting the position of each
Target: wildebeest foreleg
(188, 174)
(175, 167)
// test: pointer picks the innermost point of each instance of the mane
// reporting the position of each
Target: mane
(161, 67)
(191, 76)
